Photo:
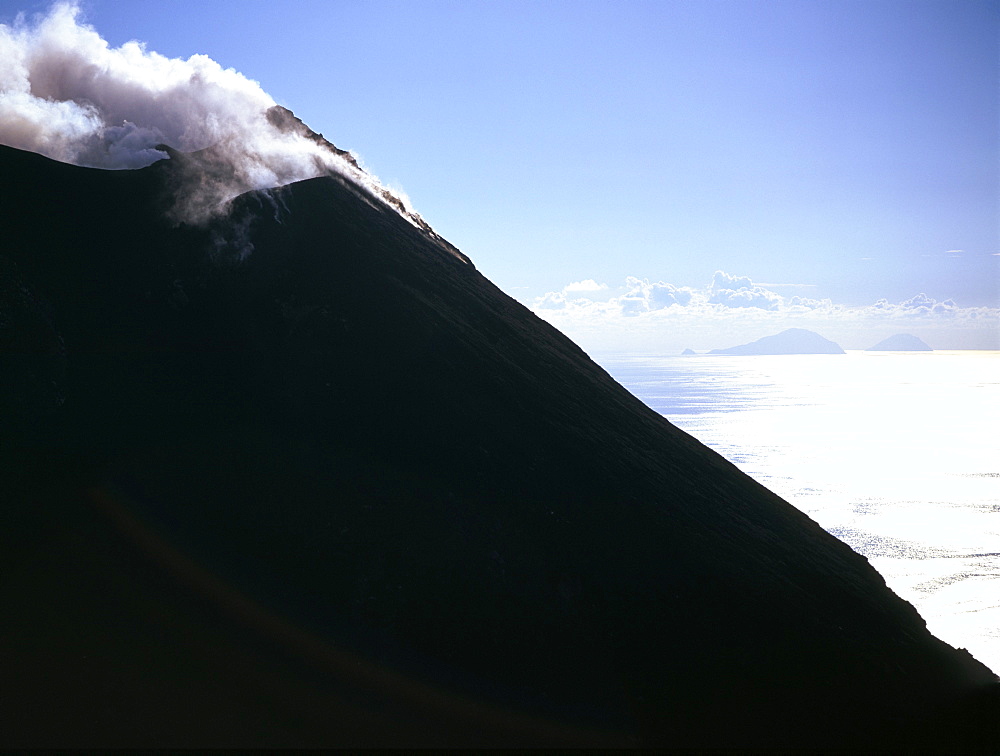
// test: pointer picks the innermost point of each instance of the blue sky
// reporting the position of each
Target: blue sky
(840, 151)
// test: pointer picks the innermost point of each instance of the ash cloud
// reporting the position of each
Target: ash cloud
(65, 93)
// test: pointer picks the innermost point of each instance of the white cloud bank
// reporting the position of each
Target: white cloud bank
(589, 285)
(65, 93)
(730, 310)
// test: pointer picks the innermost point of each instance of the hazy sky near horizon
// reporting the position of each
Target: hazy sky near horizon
(600, 161)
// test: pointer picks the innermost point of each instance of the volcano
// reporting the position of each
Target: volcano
(789, 341)
(901, 342)
(302, 476)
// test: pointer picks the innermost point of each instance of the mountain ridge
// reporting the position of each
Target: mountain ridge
(332, 416)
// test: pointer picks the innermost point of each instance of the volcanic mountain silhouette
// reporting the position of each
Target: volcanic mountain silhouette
(789, 341)
(304, 477)
(901, 342)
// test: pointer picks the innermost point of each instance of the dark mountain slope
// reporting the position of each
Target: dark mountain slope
(305, 477)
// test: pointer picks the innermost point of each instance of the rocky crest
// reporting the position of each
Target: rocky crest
(304, 477)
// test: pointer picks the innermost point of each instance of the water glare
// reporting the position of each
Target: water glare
(896, 454)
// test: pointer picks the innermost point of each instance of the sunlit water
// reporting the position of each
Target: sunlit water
(897, 454)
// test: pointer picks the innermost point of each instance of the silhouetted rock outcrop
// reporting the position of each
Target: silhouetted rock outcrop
(901, 342)
(304, 477)
(790, 341)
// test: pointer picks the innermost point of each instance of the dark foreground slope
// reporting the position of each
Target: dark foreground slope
(306, 478)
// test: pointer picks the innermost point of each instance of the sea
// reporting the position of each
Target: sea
(895, 453)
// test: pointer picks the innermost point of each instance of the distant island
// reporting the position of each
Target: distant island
(687, 352)
(901, 342)
(791, 341)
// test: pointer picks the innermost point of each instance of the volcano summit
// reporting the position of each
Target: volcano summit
(302, 476)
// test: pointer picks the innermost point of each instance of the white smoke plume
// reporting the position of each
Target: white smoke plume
(65, 93)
